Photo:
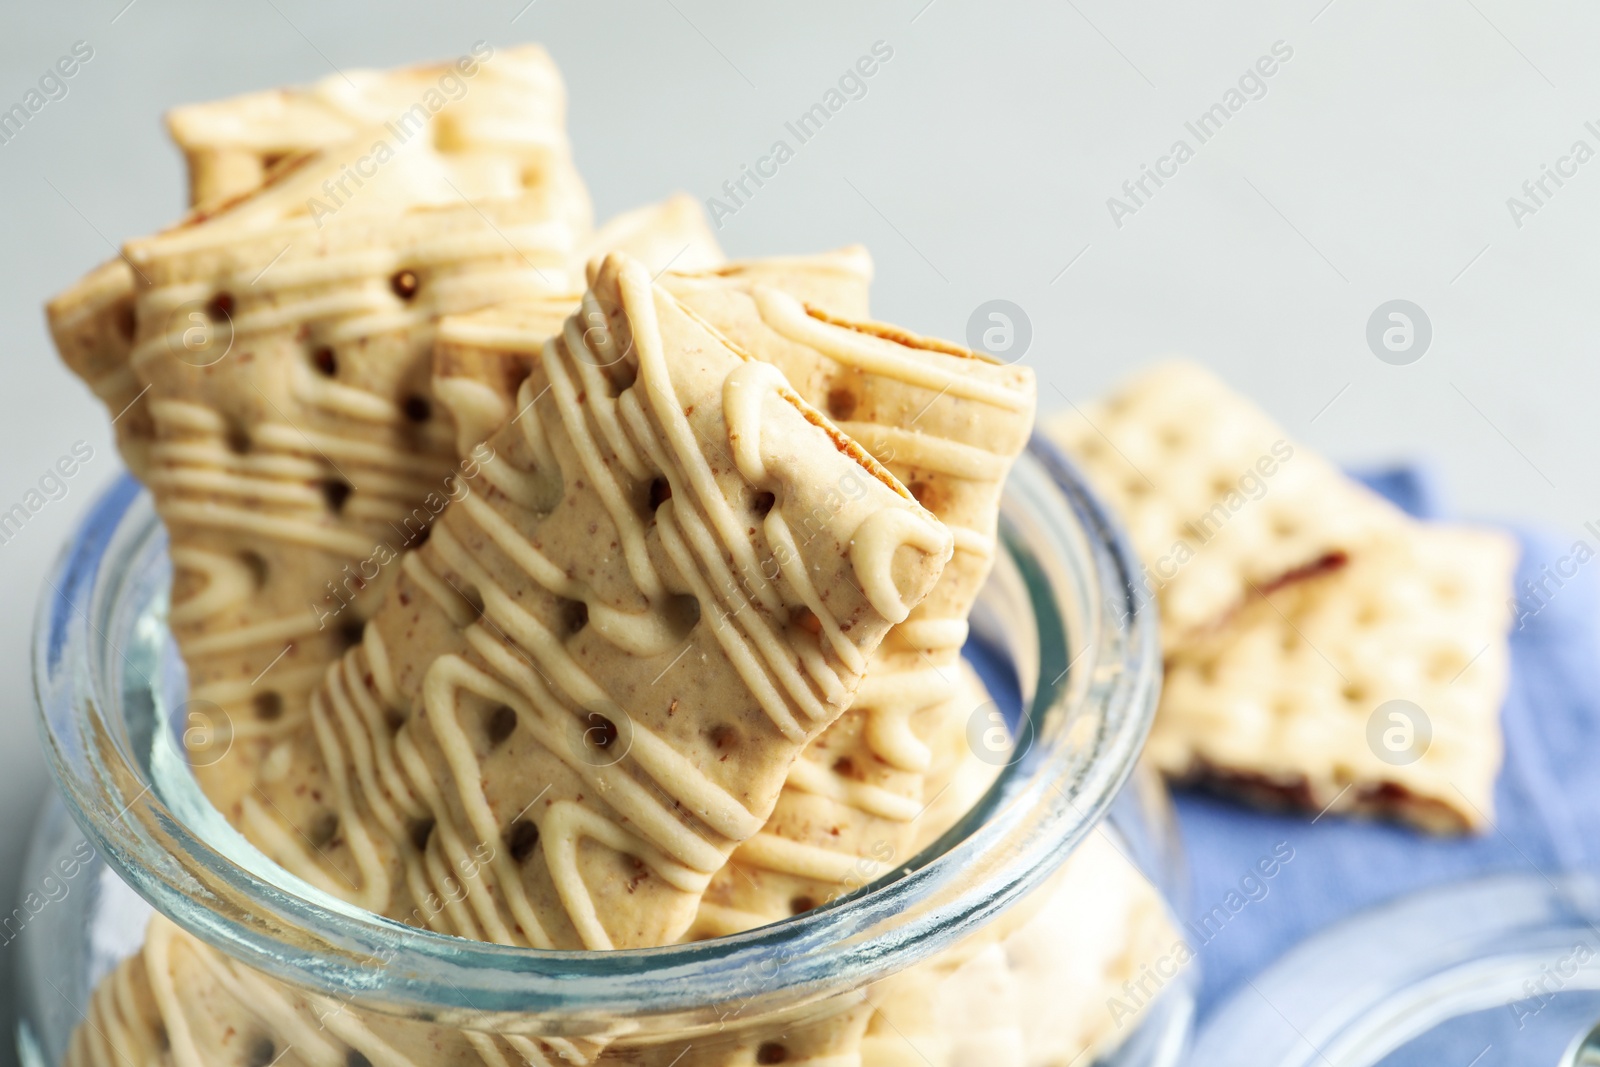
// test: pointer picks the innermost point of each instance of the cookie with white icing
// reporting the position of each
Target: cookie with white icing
(509, 112)
(1373, 689)
(948, 423)
(510, 118)
(1220, 503)
(589, 684)
(944, 421)
(507, 115)
(291, 408)
(283, 362)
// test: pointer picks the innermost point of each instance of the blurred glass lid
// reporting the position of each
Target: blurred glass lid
(1491, 973)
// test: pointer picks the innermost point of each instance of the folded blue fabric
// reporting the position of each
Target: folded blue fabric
(1547, 798)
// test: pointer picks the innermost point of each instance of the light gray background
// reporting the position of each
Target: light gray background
(1377, 166)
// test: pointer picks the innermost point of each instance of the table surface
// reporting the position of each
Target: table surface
(1376, 162)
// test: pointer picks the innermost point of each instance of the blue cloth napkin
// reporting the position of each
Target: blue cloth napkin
(1547, 798)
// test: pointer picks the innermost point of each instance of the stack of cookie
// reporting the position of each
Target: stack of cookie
(1324, 651)
(537, 583)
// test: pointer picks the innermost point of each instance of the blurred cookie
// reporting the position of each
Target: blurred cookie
(92, 325)
(275, 387)
(295, 448)
(266, 360)
(180, 1001)
(506, 105)
(1221, 505)
(1046, 987)
(498, 116)
(1375, 688)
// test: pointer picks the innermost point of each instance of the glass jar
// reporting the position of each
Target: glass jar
(1057, 627)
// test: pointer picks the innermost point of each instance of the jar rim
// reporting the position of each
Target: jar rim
(1090, 702)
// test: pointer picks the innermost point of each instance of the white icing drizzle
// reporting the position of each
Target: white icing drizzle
(972, 542)
(446, 676)
(892, 739)
(372, 873)
(872, 551)
(500, 337)
(809, 861)
(382, 787)
(227, 581)
(810, 777)
(267, 478)
(925, 451)
(605, 417)
(239, 692)
(564, 826)
(377, 654)
(761, 685)
(932, 635)
(744, 392)
(531, 491)
(533, 432)
(211, 1010)
(793, 569)
(877, 356)
(622, 511)
(721, 920)
(717, 524)
(285, 846)
(478, 409)
(268, 632)
(564, 738)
